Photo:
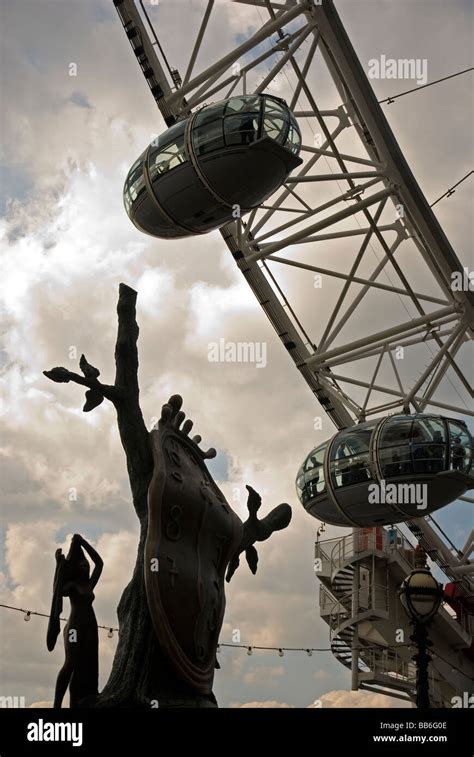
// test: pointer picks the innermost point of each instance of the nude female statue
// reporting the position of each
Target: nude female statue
(81, 642)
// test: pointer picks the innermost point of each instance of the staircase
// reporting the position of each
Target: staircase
(343, 629)
(342, 626)
(377, 665)
(382, 558)
(342, 581)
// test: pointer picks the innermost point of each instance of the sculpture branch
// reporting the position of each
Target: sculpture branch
(63, 376)
(126, 351)
(256, 529)
(124, 394)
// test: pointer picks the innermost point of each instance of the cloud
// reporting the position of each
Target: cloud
(321, 675)
(336, 699)
(258, 705)
(68, 244)
(79, 99)
(255, 675)
(359, 699)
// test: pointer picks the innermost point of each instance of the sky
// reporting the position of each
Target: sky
(68, 142)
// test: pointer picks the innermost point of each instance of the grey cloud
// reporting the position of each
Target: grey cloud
(69, 244)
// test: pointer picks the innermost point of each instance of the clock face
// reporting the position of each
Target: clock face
(192, 534)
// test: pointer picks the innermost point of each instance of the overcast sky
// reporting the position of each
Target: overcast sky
(67, 243)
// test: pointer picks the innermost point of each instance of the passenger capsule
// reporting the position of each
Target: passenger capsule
(213, 166)
(387, 471)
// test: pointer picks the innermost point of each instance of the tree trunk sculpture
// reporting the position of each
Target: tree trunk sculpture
(171, 612)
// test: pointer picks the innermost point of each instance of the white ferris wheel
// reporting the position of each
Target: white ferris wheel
(280, 144)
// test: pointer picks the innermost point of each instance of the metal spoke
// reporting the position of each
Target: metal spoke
(388, 390)
(345, 289)
(432, 318)
(351, 279)
(307, 64)
(197, 45)
(335, 218)
(209, 74)
(369, 391)
(314, 211)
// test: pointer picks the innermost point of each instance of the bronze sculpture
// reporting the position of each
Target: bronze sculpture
(171, 612)
(73, 579)
(257, 530)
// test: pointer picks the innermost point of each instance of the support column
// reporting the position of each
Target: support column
(354, 612)
(422, 660)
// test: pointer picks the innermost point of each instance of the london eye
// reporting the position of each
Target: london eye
(244, 155)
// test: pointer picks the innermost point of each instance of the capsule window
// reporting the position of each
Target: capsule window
(137, 187)
(429, 429)
(350, 457)
(166, 159)
(208, 129)
(396, 431)
(460, 444)
(394, 448)
(127, 202)
(134, 184)
(310, 481)
(173, 134)
(314, 472)
(168, 152)
(349, 470)
(209, 137)
(428, 445)
(293, 142)
(209, 114)
(395, 461)
(275, 128)
(275, 108)
(241, 104)
(241, 129)
(275, 122)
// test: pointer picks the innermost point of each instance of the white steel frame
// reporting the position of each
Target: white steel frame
(265, 240)
(383, 176)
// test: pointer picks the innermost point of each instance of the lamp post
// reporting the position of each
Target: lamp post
(421, 595)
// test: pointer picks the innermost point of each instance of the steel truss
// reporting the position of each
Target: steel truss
(365, 209)
(370, 183)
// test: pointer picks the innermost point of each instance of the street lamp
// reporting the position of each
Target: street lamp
(421, 595)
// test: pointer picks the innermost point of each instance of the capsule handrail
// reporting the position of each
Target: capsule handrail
(344, 547)
(343, 606)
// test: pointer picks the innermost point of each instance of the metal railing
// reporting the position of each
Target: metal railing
(340, 613)
(341, 549)
(386, 662)
(342, 609)
(462, 617)
(323, 553)
(379, 596)
(397, 669)
(326, 601)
